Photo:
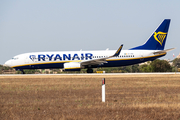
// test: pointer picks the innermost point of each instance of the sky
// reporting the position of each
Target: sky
(72, 25)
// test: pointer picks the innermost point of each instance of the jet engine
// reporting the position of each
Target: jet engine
(72, 66)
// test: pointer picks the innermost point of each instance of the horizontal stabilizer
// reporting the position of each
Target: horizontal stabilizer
(164, 51)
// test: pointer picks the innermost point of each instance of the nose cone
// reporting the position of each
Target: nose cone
(8, 63)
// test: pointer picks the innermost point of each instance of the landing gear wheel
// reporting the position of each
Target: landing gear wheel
(89, 70)
(22, 72)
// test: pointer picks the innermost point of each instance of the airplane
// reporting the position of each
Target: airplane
(152, 49)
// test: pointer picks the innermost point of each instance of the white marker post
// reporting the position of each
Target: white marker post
(103, 90)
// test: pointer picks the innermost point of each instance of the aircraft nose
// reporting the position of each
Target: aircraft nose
(8, 63)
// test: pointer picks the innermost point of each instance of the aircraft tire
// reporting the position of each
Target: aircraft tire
(89, 70)
(22, 72)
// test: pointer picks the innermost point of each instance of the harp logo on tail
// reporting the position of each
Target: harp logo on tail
(159, 36)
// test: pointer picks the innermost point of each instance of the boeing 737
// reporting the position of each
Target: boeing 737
(152, 49)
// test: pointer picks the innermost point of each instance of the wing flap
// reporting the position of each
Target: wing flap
(94, 62)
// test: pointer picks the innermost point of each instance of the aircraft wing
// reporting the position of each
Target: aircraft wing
(101, 60)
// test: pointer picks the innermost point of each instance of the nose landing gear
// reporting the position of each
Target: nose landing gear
(22, 71)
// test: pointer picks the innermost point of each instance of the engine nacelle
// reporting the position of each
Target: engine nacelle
(72, 66)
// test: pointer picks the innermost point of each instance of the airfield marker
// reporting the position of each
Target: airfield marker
(103, 90)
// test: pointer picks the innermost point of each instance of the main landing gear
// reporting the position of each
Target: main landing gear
(89, 70)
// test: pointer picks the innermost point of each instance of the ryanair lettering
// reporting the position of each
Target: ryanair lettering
(63, 57)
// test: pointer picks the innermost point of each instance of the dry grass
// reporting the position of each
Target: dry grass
(79, 97)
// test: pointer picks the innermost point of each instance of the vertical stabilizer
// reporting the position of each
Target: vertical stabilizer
(158, 38)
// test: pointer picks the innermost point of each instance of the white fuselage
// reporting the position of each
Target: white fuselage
(42, 60)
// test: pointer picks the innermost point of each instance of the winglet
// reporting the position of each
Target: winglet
(118, 51)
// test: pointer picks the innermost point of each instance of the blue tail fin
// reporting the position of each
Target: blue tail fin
(158, 38)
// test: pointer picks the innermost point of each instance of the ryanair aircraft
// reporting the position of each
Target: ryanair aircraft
(77, 60)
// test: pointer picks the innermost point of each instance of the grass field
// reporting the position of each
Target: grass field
(79, 97)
